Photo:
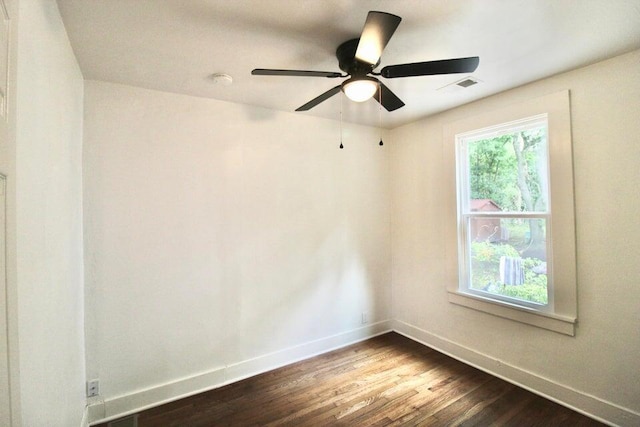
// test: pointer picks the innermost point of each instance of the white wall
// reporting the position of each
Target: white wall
(9, 363)
(601, 361)
(217, 233)
(49, 220)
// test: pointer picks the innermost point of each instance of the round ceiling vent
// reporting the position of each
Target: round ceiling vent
(222, 79)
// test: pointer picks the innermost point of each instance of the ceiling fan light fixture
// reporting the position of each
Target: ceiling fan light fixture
(360, 89)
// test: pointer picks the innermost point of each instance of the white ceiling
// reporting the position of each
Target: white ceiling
(175, 46)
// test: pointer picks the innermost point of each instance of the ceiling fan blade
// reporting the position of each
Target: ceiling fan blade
(317, 100)
(298, 73)
(389, 100)
(376, 33)
(429, 68)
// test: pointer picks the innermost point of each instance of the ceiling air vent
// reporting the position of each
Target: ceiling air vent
(460, 84)
(470, 81)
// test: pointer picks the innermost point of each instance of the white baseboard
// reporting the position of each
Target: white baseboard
(113, 408)
(120, 406)
(591, 406)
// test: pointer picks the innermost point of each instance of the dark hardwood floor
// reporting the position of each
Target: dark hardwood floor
(385, 381)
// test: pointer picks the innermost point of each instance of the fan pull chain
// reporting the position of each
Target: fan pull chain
(380, 111)
(341, 97)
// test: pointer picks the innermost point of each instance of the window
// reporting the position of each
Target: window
(514, 232)
(503, 213)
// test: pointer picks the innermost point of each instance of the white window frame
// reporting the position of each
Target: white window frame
(560, 314)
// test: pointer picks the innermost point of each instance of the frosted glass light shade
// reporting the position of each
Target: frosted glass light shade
(359, 90)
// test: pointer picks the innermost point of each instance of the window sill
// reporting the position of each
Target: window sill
(553, 322)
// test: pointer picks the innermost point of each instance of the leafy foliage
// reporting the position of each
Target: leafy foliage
(485, 261)
(506, 170)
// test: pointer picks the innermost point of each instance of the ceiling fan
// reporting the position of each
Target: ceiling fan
(358, 58)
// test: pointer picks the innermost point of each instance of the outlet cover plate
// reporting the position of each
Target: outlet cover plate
(93, 388)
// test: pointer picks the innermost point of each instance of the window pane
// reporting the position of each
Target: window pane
(508, 257)
(508, 172)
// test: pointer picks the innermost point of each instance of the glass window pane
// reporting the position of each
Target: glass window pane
(508, 257)
(508, 172)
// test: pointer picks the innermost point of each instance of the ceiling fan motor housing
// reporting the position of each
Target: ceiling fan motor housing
(348, 63)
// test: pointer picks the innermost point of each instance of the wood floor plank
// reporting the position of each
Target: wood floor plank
(469, 405)
(502, 410)
(444, 394)
(385, 381)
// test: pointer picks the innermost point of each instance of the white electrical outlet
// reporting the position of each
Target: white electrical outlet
(365, 317)
(93, 388)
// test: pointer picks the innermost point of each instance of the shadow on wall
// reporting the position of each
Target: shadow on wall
(319, 289)
(256, 114)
